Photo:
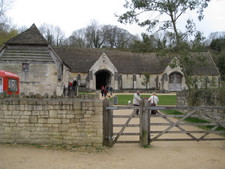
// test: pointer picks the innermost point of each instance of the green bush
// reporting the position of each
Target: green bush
(209, 97)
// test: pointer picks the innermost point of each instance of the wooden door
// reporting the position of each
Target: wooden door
(175, 81)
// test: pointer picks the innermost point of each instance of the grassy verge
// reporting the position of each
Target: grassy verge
(163, 99)
(63, 147)
(194, 120)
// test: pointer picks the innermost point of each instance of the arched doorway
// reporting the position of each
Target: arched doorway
(103, 77)
(175, 81)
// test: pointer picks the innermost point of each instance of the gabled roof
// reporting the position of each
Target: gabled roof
(28, 46)
(31, 36)
(82, 59)
(203, 64)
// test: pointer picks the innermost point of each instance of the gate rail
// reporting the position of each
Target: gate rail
(145, 123)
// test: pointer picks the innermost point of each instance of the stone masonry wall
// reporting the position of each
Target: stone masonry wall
(75, 121)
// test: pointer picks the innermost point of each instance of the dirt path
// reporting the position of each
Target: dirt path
(168, 155)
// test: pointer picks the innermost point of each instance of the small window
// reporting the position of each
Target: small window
(12, 85)
(1, 85)
(25, 67)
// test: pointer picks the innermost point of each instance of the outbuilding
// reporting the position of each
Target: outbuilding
(40, 69)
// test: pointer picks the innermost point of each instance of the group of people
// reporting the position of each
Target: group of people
(105, 90)
(153, 99)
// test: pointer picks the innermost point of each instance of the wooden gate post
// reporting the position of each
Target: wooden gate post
(144, 123)
(107, 124)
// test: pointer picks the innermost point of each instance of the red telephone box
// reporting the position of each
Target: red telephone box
(9, 82)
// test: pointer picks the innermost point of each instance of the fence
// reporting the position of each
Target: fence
(174, 125)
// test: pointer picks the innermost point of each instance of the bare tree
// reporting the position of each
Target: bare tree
(53, 34)
(95, 37)
(4, 6)
(116, 37)
(59, 36)
(110, 33)
(78, 38)
(101, 36)
(4, 22)
(124, 39)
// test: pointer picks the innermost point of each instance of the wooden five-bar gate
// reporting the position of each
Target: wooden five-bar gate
(149, 130)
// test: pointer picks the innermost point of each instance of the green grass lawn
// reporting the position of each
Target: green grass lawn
(194, 120)
(163, 99)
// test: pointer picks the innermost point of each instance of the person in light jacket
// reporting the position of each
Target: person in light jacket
(136, 100)
(153, 102)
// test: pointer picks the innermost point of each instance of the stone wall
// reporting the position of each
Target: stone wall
(40, 79)
(44, 120)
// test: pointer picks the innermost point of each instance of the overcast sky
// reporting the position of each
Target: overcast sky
(71, 15)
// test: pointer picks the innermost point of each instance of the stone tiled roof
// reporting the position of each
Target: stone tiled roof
(14, 53)
(203, 64)
(29, 46)
(82, 59)
(31, 36)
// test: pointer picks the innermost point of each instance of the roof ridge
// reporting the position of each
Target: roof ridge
(31, 36)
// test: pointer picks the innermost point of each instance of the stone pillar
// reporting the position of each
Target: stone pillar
(116, 81)
(90, 78)
(134, 82)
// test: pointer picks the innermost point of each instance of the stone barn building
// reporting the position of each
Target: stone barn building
(43, 69)
(131, 71)
(39, 67)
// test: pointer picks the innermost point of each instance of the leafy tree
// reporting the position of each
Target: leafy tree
(6, 35)
(198, 43)
(147, 44)
(170, 10)
(6, 30)
(164, 16)
(218, 44)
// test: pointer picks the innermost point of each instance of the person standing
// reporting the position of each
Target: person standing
(74, 87)
(103, 90)
(136, 100)
(110, 90)
(153, 102)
